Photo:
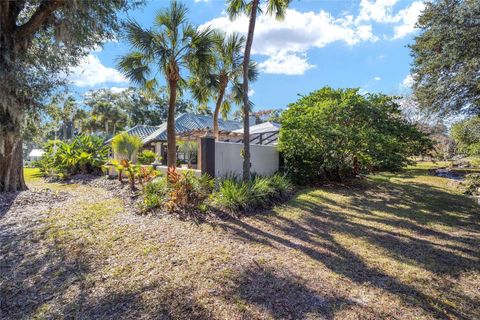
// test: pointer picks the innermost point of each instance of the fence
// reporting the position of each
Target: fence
(264, 159)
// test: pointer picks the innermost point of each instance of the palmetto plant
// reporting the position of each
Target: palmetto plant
(223, 82)
(236, 8)
(171, 46)
(126, 145)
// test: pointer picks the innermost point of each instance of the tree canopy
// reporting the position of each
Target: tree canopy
(446, 66)
(39, 41)
(466, 134)
(331, 134)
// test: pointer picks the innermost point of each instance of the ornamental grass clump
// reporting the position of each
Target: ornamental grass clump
(261, 192)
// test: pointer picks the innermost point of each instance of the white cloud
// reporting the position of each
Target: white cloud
(378, 11)
(91, 72)
(377, 78)
(118, 89)
(251, 92)
(286, 42)
(409, 17)
(407, 82)
(381, 11)
(286, 63)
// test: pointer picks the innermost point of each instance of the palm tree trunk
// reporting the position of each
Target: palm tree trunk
(218, 105)
(171, 135)
(246, 108)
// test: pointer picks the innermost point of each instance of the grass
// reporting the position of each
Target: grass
(397, 246)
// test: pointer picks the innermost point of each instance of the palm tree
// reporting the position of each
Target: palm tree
(172, 45)
(236, 8)
(225, 74)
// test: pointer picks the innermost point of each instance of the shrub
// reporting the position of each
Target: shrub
(147, 157)
(237, 196)
(126, 145)
(233, 196)
(282, 185)
(155, 194)
(472, 183)
(332, 134)
(466, 134)
(85, 154)
(188, 192)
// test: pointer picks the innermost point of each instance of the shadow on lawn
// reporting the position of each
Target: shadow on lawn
(32, 273)
(402, 231)
(6, 201)
(282, 297)
(53, 281)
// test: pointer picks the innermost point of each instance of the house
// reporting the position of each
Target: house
(264, 133)
(35, 154)
(217, 158)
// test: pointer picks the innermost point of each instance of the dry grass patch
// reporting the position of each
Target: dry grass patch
(402, 246)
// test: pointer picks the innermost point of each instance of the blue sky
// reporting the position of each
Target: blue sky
(337, 43)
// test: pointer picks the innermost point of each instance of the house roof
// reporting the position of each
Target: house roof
(262, 128)
(141, 131)
(36, 153)
(189, 122)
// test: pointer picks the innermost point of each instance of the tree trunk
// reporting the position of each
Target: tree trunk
(171, 135)
(218, 105)
(64, 131)
(11, 150)
(246, 107)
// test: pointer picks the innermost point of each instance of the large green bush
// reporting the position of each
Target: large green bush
(85, 154)
(332, 134)
(466, 134)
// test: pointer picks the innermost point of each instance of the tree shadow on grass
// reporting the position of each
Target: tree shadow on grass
(403, 231)
(6, 201)
(280, 296)
(34, 274)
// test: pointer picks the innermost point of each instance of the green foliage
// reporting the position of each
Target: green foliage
(184, 194)
(472, 183)
(240, 196)
(233, 196)
(188, 192)
(126, 145)
(147, 157)
(332, 134)
(466, 134)
(85, 154)
(223, 81)
(155, 194)
(446, 60)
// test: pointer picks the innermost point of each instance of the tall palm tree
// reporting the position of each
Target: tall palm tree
(224, 80)
(172, 45)
(236, 8)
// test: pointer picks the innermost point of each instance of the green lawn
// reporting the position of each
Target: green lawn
(397, 246)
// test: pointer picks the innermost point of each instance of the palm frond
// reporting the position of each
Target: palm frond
(135, 66)
(138, 37)
(278, 8)
(252, 71)
(235, 8)
(226, 108)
